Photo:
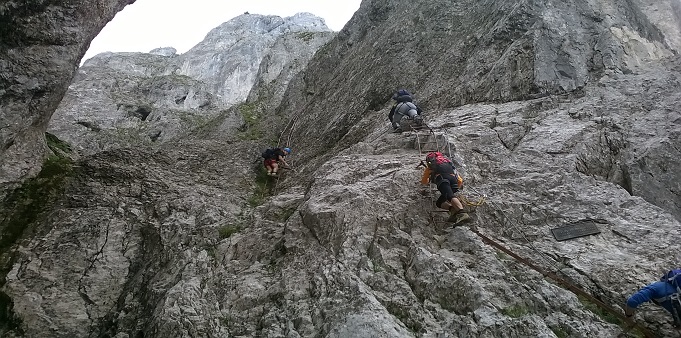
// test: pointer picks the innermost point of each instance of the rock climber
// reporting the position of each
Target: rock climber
(665, 293)
(274, 158)
(440, 171)
(404, 106)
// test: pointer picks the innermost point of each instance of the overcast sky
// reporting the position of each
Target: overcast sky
(149, 24)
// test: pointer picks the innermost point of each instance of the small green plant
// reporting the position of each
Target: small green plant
(195, 121)
(559, 332)
(57, 145)
(54, 168)
(227, 231)
(597, 310)
(515, 311)
(306, 36)
(256, 199)
(404, 316)
(203, 126)
(250, 134)
(285, 214)
(262, 188)
(250, 113)
(211, 251)
(377, 268)
(278, 298)
(130, 135)
(501, 255)
(226, 320)
(24, 206)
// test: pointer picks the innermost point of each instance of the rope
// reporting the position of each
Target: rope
(467, 202)
(553, 265)
(570, 286)
(548, 260)
(631, 324)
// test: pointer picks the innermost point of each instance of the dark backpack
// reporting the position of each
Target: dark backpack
(673, 277)
(403, 92)
(268, 154)
(440, 163)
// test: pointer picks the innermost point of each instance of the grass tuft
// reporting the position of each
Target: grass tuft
(515, 311)
(228, 230)
(262, 189)
(597, 310)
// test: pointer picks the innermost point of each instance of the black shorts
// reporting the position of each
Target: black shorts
(447, 190)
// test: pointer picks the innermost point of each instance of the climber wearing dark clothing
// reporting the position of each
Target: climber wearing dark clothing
(404, 106)
(273, 157)
(440, 171)
(447, 185)
(664, 293)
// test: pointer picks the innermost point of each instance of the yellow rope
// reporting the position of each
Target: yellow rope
(467, 202)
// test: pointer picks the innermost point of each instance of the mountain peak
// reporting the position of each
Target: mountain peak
(263, 24)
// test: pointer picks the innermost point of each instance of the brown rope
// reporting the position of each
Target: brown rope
(630, 323)
(570, 286)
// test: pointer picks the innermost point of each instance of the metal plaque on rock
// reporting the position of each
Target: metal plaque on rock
(576, 229)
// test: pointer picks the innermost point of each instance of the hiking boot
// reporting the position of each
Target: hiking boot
(457, 216)
(461, 217)
(452, 214)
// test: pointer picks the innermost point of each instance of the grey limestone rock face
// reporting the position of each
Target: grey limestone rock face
(554, 113)
(42, 43)
(469, 51)
(284, 60)
(164, 51)
(127, 99)
(229, 57)
(130, 99)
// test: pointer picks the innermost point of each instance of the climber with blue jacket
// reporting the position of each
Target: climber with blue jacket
(665, 293)
(404, 106)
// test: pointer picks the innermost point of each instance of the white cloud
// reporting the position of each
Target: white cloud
(149, 24)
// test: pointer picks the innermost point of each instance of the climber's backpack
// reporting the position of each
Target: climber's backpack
(268, 153)
(403, 92)
(436, 159)
(673, 277)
